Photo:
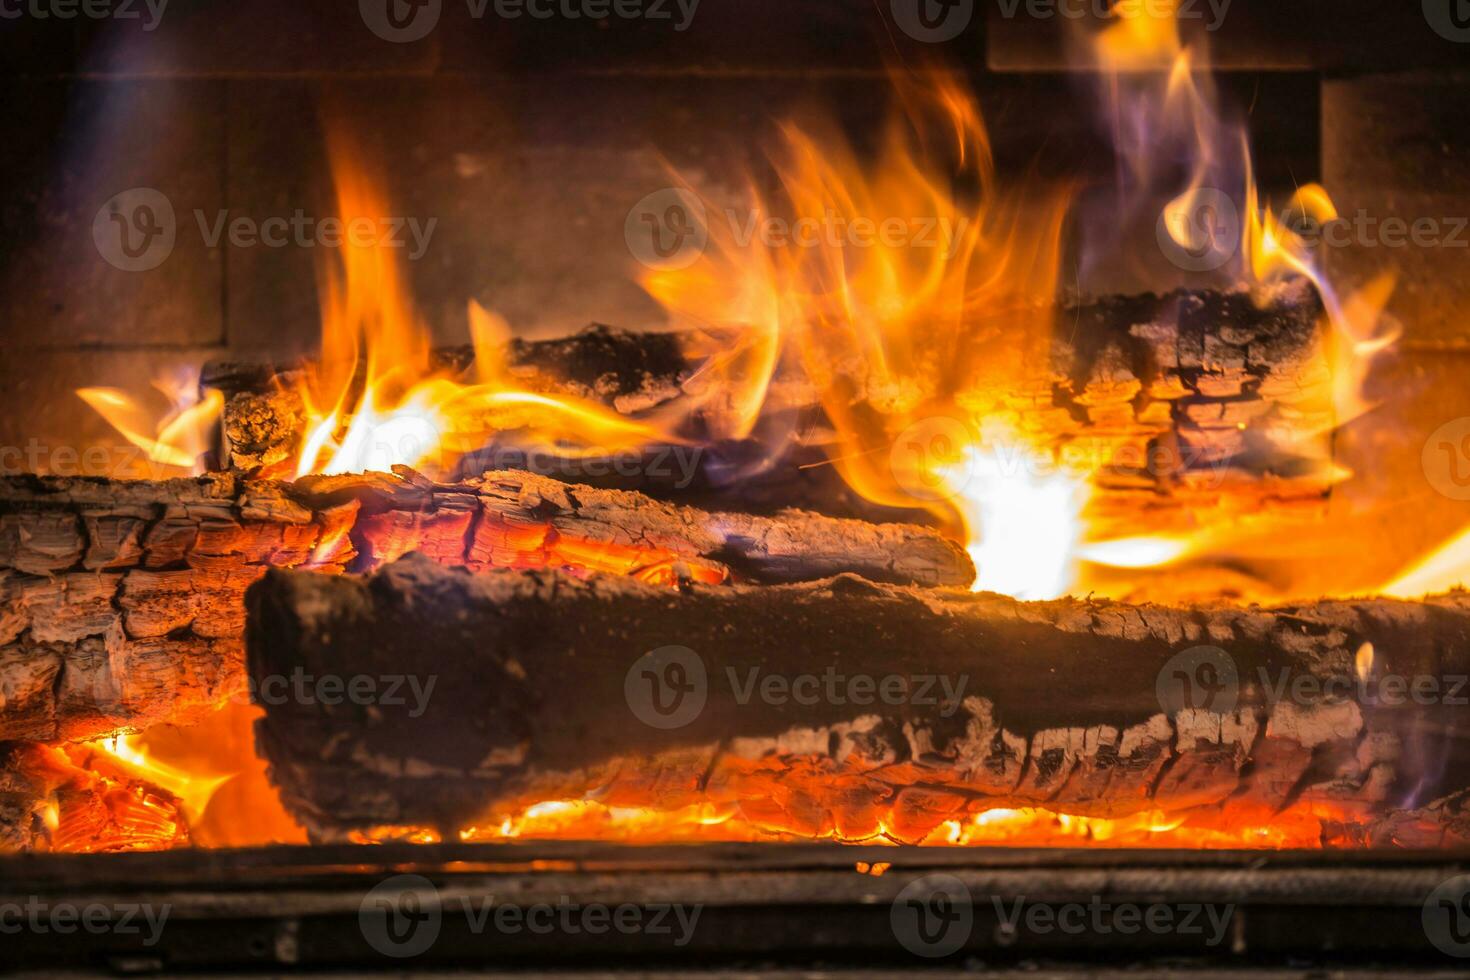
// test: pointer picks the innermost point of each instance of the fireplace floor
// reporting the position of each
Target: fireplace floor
(745, 908)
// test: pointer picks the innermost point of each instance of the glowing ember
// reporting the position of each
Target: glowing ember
(192, 789)
(1305, 826)
(94, 807)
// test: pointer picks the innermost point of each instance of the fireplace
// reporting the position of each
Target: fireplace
(684, 486)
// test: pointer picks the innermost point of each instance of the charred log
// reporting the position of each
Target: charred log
(944, 702)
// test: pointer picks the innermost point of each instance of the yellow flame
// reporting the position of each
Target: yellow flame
(193, 790)
(378, 399)
(1141, 552)
(1142, 37)
(1023, 526)
(1363, 661)
(178, 439)
(1446, 567)
(915, 301)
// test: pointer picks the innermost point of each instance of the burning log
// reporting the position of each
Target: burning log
(838, 708)
(516, 519)
(1196, 394)
(533, 521)
(121, 604)
(263, 418)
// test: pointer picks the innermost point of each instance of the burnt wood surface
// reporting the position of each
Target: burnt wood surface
(121, 603)
(538, 678)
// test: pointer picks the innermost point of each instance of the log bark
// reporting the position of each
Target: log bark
(1182, 400)
(539, 688)
(121, 604)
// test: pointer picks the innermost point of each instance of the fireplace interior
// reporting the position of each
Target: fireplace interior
(761, 486)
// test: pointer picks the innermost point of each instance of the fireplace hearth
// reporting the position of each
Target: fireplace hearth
(741, 908)
(735, 487)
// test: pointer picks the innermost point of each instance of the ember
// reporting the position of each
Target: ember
(84, 804)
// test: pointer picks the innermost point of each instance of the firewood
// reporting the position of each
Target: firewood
(536, 687)
(1442, 824)
(1182, 397)
(121, 603)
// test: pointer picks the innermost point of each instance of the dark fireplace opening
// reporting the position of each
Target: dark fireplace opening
(708, 486)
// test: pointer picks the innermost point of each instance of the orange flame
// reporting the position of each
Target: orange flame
(180, 438)
(928, 291)
(193, 790)
(378, 399)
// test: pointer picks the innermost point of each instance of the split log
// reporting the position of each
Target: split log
(121, 603)
(1180, 399)
(830, 709)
